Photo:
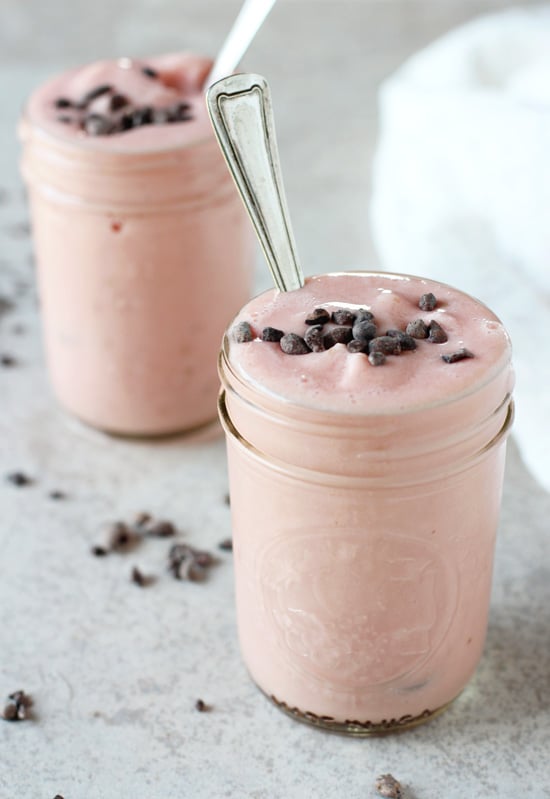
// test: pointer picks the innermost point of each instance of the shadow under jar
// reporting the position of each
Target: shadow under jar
(365, 503)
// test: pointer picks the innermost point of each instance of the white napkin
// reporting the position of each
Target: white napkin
(462, 188)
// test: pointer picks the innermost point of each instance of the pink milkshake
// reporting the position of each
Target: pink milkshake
(144, 252)
(365, 482)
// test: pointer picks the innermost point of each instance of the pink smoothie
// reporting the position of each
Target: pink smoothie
(365, 502)
(144, 252)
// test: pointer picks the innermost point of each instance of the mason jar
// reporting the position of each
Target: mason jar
(363, 539)
(143, 255)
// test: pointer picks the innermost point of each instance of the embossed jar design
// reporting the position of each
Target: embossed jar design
(363, 548)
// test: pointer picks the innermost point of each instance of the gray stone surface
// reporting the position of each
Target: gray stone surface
(115, 670)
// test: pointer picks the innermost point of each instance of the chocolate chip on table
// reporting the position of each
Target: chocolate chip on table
(97, 125)
(7, 360)
(314, 338)
(388, 786)
(338, 335)
(99, 551)
(57, 495)
(227, 499)
(364, 330)
(202, 707)
(242, 332)
(63, 102)
(343, 317)
(388, 345)
(226, 545)
(161, 529)
(319, 316)
(417, 329)
(19, 479)
(120, 537)
(437, 335)
(118, 101)
(93, 94)
(150, 72)
(17, 706)
(407, 342)
(427, 302)
(377, 358)
(459, 355)
(140, 579)
(358, 346)
(58, 796)
(292, 344)
(141, 520)
(187, 563)
(272, 334)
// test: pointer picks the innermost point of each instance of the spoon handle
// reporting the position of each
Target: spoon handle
(242, 116)
(245, 27)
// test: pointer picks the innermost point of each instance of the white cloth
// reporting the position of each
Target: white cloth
(462, 188)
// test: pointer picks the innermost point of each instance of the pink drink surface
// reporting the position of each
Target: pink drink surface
(365, 501)
(144, 251)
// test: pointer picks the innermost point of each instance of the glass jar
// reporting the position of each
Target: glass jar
(363, 547)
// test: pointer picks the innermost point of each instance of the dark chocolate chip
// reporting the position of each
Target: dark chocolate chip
(427, 302)
(459, 355)
(407, 342)
(143, 580)
(202, 707)
(377, 358)
(161, 529)
(364, 330)
(99, 551)
(17, 706)
(19, 479)
(358, 346)
(63, 102)
(362, 315)
(272, 334)
(388, 345)
(142, 520)
(93, 94)
(227, 499)
(226, 545)
(319, 316)
(338, 335)
(314, 338)
(437, 335)
(388, 787)
(417, 329)
(126, 122)
(150, 72)
(181, 112)
(292, 344)
(242, 332)
(187, 563)
(57, 495)
(120, 538)
(97, 125)
(343, 317)
(142, 116)
(7, 360)
(118, 101)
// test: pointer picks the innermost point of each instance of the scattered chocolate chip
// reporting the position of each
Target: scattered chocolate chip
(343, 317)
(97, 125)
(142, 116)
(377, 358)
(388, 345)
(364, 330)
(57, 495)
(459, 355)
(117, 102)
(407, 342)
(93, 94)
(143, 580)
(19, 479)
(242, 332)
(99, 551)
(142, 519)
(17, 706)
(358, 346)
(58, 796)
(417, 329)
(63, 102)
(180, 112)
(338, 335)
(126, 122)
(319, 316)
(427, 302)
(437, 335)
(120, 538)
(227, 499)
(7, 360)
(362, 315)
(150, 72)
(272, 334)
(292, 344)
(187, 563)
(161, 116)
(226, 545)
(314, 338)
(162, 529)
(202, 707)
(388, 786)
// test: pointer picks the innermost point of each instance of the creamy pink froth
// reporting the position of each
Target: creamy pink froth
(179, 79)
(337, 380)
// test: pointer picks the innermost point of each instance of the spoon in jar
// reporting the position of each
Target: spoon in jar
(242, 117)
(245, 27)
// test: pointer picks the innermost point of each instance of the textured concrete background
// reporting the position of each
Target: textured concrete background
(115, 671)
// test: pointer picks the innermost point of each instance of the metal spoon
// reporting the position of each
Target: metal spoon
(245, 27)
(242, 117)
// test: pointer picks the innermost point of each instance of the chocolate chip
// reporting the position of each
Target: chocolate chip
(364, 330)
(227, 499)
(437, 335)
(202, 707)
(7, 360)
(58, 796)
(143, 580)
(319, 316)
(99, 551)
(97, 125)
(417, 329)
(126, 122)
(226, 545)
(387, 786)
(161, 529)
(181, 112)
(63, 102)
(388, 345)
(120, 538)
(407, 342)
(17, 706)
(272, 334)
(343, 317)
(242, 332)
(358, 346)
(377, 358)
(118, 101)
(19, 479)
(314, 338)
(427, 302)
(187, 563)
(141, 520)
(338, 335)
(161, 116)
(459, 355)
(292, 344)
(57, 495)
(93, 94)
(142, 116)
(150, 72)
(362, 315)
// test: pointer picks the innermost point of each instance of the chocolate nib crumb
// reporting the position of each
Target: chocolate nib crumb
(272, 334)
(358, 346)
(314, 338)
(338, 335)
(292, 344)
(99, 551)
(7, 360)
(437, 335)
(17, 706)
(388, 345)
(388, 786)
(58, 796)
(242, 332)
(202, 707)
(417, 329)
(187, 563)
(343, 317)
(427, 302)
(377, 358)
(407, 342)
(459, 355)
(150, 72)
(143, 580)
(364, 330)
(319, 316)
(226, 545)
(19, 479)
